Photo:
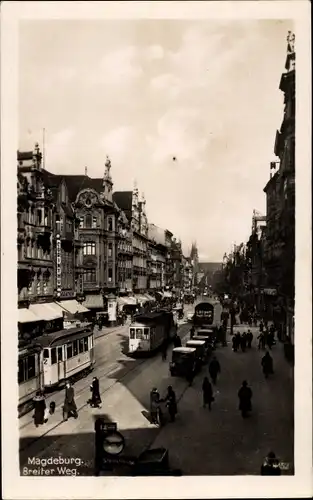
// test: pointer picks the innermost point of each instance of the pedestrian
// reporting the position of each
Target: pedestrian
(214, 369)
(164, 350)
(192, 332)
(177, 341)
(238, 339)
(95, 400)
(190, 375)
(234, 342)
(39, 408)
(270, 339)
(69, 406)
(267, 364)
(245, 396)
(243, 342)
(261, 327)
(171, 403)
(207, 393)
(261, 339)
(270, 467)
(249, 338)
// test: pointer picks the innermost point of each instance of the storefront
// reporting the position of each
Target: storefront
(73, 312)
(50, 314)
(29, 325)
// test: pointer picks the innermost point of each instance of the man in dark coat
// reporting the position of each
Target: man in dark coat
(245, 396)
(95, 393)
(164, 350)
(249, 337)
(214, 369)
(270, 467)
(171, 403)
(243, 342)
(69, 406)
(267, 364)
(207, 393)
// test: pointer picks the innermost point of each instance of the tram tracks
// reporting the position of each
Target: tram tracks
(84, 405)
(136, 364)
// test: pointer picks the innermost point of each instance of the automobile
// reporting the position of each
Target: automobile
(184, 359)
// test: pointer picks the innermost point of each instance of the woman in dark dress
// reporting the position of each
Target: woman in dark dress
(40, 406)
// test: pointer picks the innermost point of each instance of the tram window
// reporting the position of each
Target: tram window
(75, 348)
(85, 344)
(60, 354)
(21, 371)
(46, 353)
(53, 356)
(139, 333)
(146, 332)
(81, 345)
(132, 333)
(69, 350)
(31, 367)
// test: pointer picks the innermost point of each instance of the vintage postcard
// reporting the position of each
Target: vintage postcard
(156, 249)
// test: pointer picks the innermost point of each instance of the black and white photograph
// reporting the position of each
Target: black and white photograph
(155, 319)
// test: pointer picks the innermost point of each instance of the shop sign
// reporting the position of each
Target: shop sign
(59, 265)
(270, 291)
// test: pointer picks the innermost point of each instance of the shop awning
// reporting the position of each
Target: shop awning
(126, 301)
(93, 302)
(72, 306)
(149, 297)
(141, 298)
(46, 311)
(26, 316)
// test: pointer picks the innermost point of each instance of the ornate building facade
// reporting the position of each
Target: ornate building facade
(35, 275)
(279, 253)
(97, 218)
(134, 209)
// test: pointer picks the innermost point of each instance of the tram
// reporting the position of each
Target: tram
(52, 359)
(149, 331)
(30, 378)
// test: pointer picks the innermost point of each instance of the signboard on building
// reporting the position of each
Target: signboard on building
(270, 291)
(59, 265)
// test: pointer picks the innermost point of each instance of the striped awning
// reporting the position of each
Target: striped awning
(126, 301)
(26, 316)
(47, 311)
(141, 298)
(149, 297)
(72, 306)
(93, 302)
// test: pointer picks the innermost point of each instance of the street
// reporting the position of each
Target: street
(199, 442)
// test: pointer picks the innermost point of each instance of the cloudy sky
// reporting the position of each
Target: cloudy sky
(144, 91)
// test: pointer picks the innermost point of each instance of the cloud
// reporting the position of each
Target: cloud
(117, 143)
(118, 67)
(177, 135)
(59, 147)
(155, 52)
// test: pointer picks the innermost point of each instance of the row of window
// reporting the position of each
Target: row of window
(71, 349)
(90, 276)
(92, 222)
(26, 368)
